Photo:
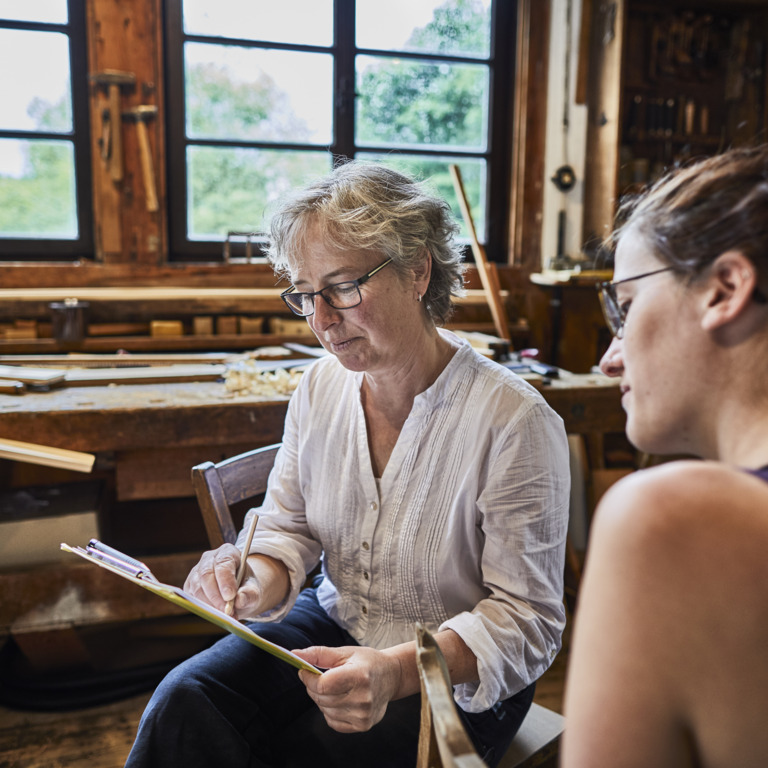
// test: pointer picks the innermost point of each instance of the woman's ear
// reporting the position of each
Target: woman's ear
(730, 289)
(423, 272)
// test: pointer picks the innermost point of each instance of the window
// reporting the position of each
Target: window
(263, 96)
(45, 204)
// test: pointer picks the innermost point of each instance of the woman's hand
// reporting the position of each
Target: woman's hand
(358, 684)
(214, 580)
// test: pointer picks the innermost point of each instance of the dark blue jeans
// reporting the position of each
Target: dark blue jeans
(236, 705)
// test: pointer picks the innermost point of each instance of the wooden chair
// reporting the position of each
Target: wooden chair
(219, 486)
(443, 741)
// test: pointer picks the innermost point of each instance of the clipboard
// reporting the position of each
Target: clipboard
(137, 572)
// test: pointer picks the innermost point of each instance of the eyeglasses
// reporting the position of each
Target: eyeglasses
(339, 295)
(616, 314)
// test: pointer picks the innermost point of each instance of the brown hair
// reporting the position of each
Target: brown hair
(697, 212)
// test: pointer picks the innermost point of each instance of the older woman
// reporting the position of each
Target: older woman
(432, 483)
(669, 665)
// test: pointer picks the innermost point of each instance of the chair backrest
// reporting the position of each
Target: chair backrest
(219, 486)
(443, 741)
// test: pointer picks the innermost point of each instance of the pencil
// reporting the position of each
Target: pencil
(230, 607)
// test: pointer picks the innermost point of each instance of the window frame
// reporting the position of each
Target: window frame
(54, 249)
(497, 154)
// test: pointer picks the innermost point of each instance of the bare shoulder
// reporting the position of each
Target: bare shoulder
(684, 528)
(672, 622)
(682, 497)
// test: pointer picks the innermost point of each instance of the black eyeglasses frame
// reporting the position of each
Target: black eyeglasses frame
(614, 315)
(291, 292)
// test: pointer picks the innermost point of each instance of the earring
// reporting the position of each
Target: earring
(418, 297)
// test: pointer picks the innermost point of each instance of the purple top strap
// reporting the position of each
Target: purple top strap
(762, 473)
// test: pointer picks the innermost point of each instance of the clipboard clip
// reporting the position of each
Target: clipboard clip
(114, 557)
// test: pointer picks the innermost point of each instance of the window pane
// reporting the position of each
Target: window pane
(303, 22)
(52, 11)
(41, 99)
(37, 189)
(435, 170)
(455, 27)
(229, 189)
(252, 94)
(409, 103)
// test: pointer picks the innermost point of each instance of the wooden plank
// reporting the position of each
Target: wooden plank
(41, 377)
(117, 329)
(165, 294)
(92, 377)
(137, 293)
(47, 456)
(146, 344)
(121, 360)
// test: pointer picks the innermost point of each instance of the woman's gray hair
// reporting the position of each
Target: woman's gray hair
(365, 206)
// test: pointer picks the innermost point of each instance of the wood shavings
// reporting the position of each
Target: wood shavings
(246, 378)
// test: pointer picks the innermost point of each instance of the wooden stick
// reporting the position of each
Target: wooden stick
(487, 271)
(32, 453)
(230, 607)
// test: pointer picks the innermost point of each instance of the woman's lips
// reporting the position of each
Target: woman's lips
(340, 345)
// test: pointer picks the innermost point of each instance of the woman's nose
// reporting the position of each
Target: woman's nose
(611, 363)
(324, 315)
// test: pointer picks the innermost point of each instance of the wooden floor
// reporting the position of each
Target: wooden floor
(101, 737)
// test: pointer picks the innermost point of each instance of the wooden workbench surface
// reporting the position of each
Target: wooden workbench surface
(125, 416)
(131, 416)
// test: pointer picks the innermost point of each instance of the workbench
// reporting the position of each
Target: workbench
(182, 415)
(150, 436)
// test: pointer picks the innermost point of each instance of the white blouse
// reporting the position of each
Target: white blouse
(466, 529)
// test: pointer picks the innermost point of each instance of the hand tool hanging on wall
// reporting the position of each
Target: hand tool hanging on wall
(113, 81)
(489, 277)
(140, 115)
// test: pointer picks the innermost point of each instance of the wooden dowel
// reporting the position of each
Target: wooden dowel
(487, 271)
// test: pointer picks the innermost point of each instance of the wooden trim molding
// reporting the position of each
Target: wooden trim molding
(529, 138)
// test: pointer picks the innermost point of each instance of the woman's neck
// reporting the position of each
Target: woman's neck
(395, 390)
